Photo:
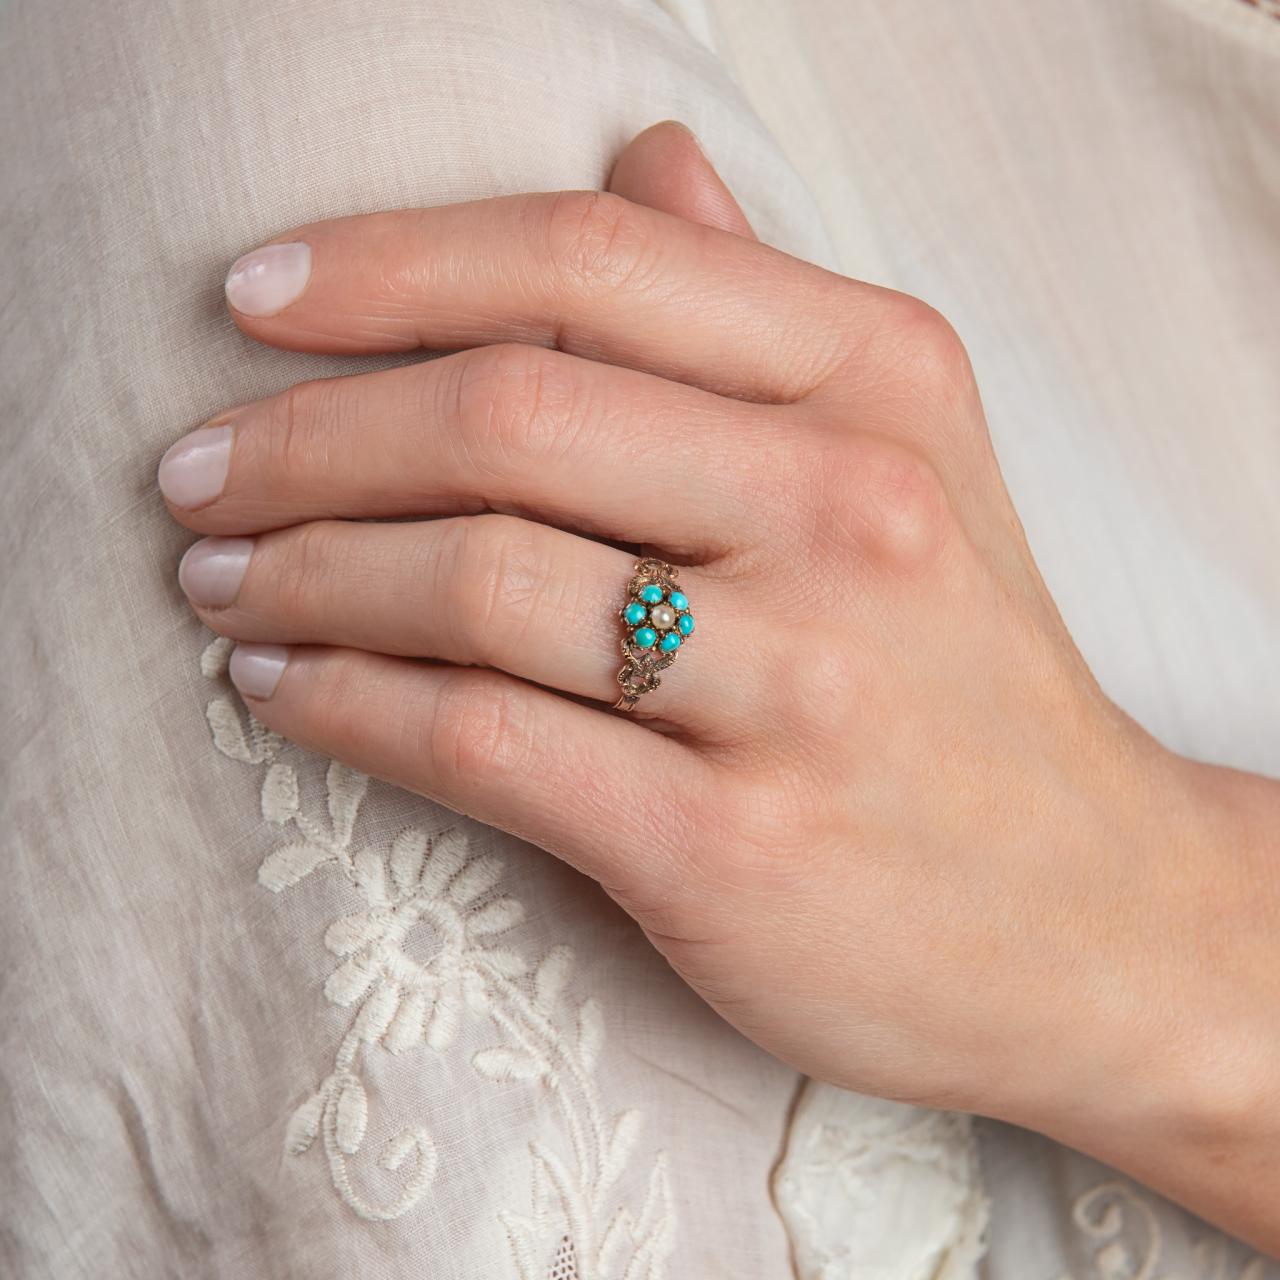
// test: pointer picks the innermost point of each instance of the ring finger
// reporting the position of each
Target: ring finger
(490, 590)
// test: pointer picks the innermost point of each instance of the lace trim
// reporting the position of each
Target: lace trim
(430, 887)
(875, 1188)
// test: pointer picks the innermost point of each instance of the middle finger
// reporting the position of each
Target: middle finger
(508, 428)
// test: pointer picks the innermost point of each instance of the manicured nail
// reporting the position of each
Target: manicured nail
(256, 668)
(268, 279)
(212, 570)
(193, 471)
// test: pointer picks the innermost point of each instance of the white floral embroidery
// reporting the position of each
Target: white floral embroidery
(432, 886)
(1126, 1228)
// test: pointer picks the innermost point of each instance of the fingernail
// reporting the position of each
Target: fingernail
(212, 570)
(268, 279)
(193, 471)
(689, 133)
(256, 668)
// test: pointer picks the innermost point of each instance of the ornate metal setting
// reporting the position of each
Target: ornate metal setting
(658, 622)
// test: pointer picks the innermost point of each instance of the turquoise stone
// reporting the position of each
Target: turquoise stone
(651, 595)
(635, 613)
(685, 623)
(645, 637)
(669, 641)
(679, 601)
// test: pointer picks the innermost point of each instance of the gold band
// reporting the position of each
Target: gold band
(658, 622)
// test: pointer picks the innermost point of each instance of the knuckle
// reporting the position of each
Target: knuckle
(925, 348)
(304, 581)
(333, 705)
(598, 240)
(492, 566)
(306, 422)
(477, 732)
(890, 500)
(515, 405)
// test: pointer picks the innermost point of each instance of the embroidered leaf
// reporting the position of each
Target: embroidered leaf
(228, 730)
(505, 1065)
(549, 1168)
(590, 1032)
(350, 980)
(655, 1214)
(615, 1239)
(476, 992)
(406, 1028)
(397, 1148)
(508, 963)
(541, 1186)
(346, 793)
(280, 794)
(495, 917)
(216, 657)
(407, 854)
(525, 1240)
(448, 853)
(263, 744)
(378, 1011)
(371, 877)
(353, 1115)
(551, 975)
(444, 1022)
(477, 877)
(349, 933)
(303, 1125)
(621, 1143)
(288, 864)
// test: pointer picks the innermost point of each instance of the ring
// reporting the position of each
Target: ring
(657, 618)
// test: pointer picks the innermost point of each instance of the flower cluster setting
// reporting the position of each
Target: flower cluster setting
(658, 622)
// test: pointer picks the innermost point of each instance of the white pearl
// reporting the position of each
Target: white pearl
(663, 616)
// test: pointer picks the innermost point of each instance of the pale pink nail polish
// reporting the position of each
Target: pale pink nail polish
(193, 471)
(256, 668)
(212, 570)
(269, 279)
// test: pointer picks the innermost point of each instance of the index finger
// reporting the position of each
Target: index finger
(587, 272)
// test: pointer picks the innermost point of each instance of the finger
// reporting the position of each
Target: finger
(506, 428)
(599, 791)
(665, 168)
(485, 590)
(588, 272)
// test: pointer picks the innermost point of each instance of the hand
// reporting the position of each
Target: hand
(878, 814)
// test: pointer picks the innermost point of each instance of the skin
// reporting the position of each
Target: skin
(879, 814)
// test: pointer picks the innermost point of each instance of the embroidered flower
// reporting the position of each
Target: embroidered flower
(422, 948)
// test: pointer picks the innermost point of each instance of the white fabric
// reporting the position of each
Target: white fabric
(1088, 191)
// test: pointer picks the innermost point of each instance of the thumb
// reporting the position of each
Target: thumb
(665, 168)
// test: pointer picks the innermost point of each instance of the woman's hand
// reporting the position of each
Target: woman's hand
(878, 814)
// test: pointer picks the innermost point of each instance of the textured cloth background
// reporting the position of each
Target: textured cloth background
(1090, 193)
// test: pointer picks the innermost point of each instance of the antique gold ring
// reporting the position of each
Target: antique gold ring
(657, 618)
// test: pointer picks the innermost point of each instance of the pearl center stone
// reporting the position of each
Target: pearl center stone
(663, 616)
